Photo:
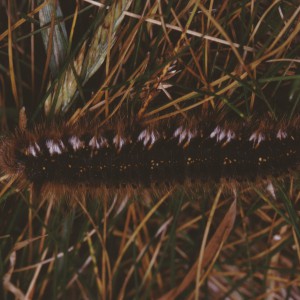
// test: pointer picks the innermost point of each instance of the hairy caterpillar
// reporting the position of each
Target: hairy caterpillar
(88, 156)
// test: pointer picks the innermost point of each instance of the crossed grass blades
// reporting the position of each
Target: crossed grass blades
(158, 59)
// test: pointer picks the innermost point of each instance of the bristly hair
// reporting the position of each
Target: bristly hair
(63, 159)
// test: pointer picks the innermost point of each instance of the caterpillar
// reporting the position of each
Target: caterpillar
(88, 156)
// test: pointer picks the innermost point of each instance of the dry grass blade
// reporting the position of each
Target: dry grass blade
(212, 248)
(23, 20)
(54, 37)
(104, 38)
(138, 229)
(84, 66)
(33, 282)
(11, 61)
(7, 284)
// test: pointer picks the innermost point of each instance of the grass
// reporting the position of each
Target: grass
(235, 59)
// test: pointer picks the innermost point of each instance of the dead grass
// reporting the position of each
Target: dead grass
(151, 60)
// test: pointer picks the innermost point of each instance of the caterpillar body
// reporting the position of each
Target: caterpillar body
(89, 156)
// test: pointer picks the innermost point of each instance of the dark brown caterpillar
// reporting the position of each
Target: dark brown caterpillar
(87, 156)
